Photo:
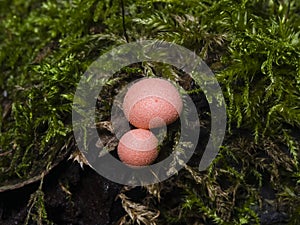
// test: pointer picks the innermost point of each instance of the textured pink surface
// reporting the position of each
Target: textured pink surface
(150, 99)
(138, 147)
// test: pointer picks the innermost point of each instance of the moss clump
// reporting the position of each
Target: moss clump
(44, 50)
(252, 46)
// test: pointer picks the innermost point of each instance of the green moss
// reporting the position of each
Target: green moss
(36, 208)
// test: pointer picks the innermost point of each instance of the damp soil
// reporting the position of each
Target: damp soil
(79, 196)
(72, 196)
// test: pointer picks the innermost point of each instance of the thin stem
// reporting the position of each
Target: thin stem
(123, 21)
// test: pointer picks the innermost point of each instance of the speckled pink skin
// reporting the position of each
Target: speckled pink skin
(138, 147)
(152, 102)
